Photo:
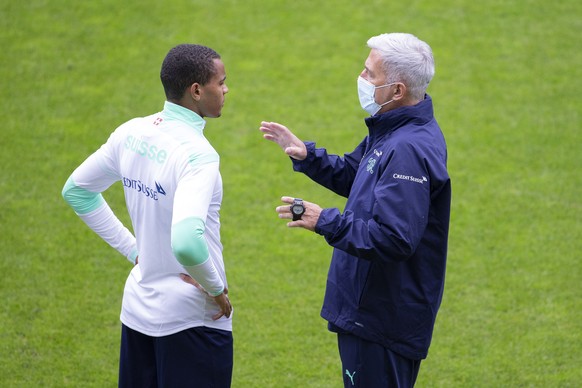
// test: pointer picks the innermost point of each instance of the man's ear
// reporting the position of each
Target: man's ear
(195, 91)
(400, 91)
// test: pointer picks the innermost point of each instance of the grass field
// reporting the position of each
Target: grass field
(507, 96)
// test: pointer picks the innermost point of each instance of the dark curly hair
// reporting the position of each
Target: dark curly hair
(184, 65)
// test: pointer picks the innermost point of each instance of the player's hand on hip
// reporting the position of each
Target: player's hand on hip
(222, 299)
(224, 304)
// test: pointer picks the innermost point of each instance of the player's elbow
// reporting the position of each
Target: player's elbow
(189, 253)
(188, 242)
(68, 190)
(81, 200)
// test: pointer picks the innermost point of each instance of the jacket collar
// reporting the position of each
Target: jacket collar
(390, 121)
(177, 112)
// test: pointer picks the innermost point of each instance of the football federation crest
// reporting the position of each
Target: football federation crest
(371, 164)
(372, 161)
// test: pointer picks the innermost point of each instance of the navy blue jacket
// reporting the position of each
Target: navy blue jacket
(387, 273)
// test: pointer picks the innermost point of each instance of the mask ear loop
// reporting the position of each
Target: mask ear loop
(387, 102)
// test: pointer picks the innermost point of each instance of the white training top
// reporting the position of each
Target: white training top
(173, 192)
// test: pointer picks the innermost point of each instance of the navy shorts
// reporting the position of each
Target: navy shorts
(198, 357)
(369, 365)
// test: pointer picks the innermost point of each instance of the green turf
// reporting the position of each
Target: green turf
(506, 94)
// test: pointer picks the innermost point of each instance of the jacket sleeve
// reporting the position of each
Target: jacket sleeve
(333, 172)
(399, 212)
(188, 234)
(82, 192)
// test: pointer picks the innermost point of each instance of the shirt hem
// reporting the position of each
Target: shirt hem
(221, 324)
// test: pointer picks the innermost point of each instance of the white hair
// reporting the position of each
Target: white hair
(406, 59)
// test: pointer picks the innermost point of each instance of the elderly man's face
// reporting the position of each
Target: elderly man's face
(374, 73)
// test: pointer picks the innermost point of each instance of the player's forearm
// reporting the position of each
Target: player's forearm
(96, 213)
(191, 250)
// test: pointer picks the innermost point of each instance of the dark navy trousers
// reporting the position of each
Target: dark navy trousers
(367, 364)
(200, 357)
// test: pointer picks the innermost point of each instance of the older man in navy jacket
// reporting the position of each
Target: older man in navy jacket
(387, 273)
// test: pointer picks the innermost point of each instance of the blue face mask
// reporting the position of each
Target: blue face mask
(366, 92)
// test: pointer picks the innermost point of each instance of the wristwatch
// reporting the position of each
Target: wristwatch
(297, 209)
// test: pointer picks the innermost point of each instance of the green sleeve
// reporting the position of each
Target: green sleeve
(188, 242)
(81, 200)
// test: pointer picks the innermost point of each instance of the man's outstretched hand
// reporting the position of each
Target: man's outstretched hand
(281, 135)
